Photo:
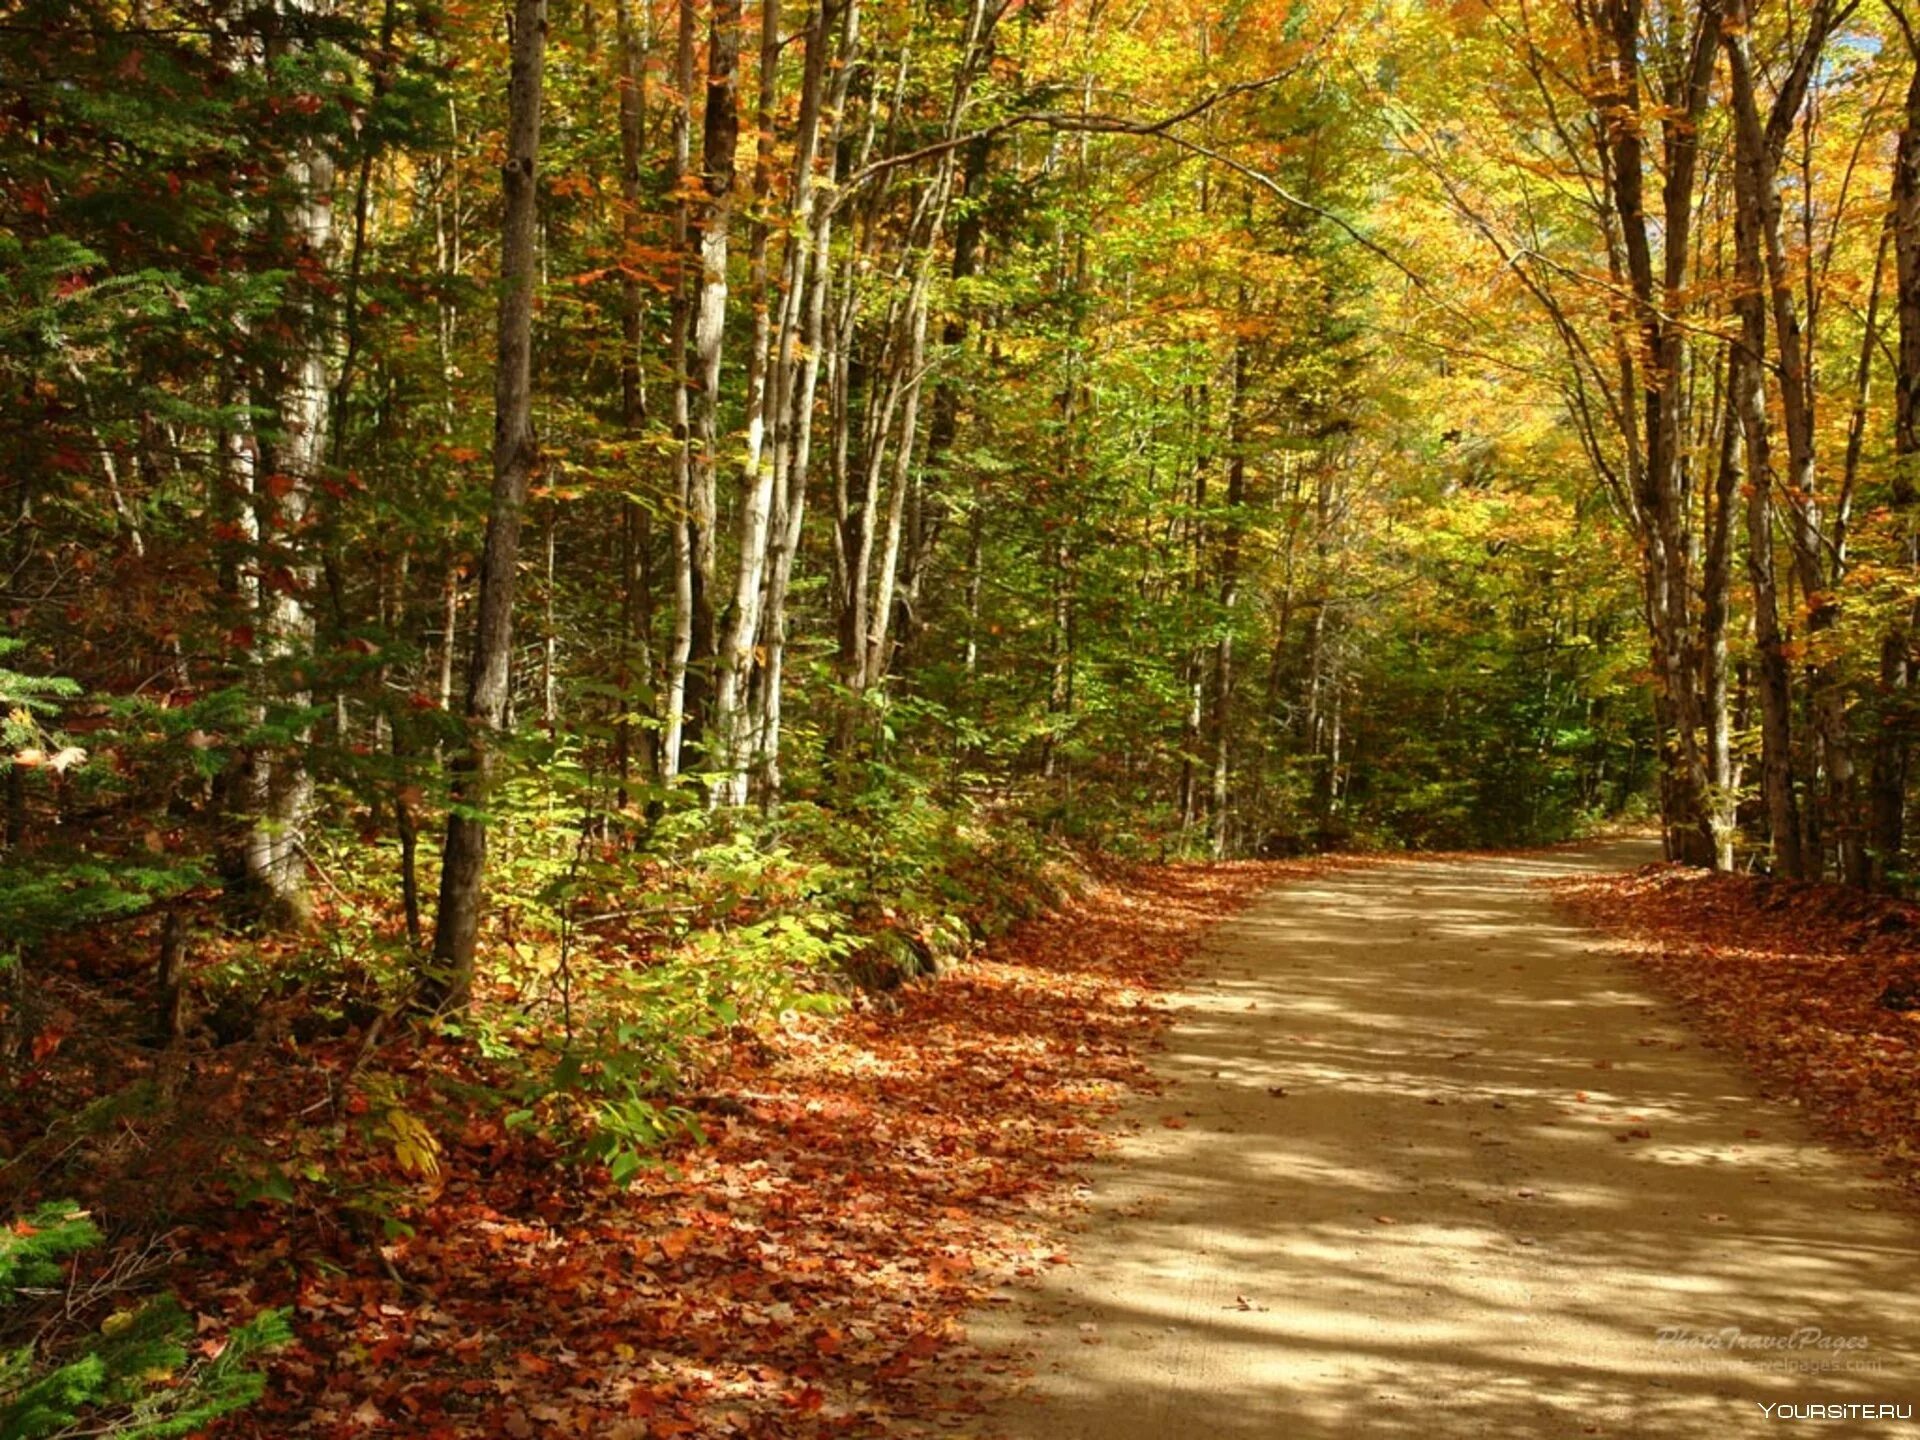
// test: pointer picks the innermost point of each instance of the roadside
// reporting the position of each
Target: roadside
(868, 1177)
(1812, 984)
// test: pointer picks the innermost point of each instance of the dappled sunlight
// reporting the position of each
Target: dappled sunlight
(1453, 1172)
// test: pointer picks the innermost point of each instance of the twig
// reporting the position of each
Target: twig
(1059, 120)
(320, 870)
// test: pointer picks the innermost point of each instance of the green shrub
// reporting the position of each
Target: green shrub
(132, 1378)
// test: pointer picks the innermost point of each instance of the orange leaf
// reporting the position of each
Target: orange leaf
(674, 1243)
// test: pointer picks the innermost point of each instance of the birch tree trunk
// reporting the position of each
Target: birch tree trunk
(800, 349)
(679, 336)
(1746, 384)
(277, 785)
(929, 515)
(866, 591)
(1199, 407)
(1716, 598)
(1774, 681)
(770, 422)
(720, 143)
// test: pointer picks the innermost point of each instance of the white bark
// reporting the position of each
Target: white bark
(278, 785)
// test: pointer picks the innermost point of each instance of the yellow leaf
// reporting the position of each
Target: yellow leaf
(415, 1149)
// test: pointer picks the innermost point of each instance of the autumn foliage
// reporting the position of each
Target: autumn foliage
(561, 569)
(866, 1179)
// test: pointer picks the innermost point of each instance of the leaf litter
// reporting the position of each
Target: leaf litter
(806, 1273)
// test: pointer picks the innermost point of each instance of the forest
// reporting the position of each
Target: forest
(545, 547)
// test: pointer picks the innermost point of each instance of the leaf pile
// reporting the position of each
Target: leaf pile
(867, 1179)
(1791, 975)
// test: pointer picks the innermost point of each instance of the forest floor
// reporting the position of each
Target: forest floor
(1432, 1160)
(866, 1180)
(1422, 1146)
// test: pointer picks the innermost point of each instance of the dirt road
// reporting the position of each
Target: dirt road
(1433, 1166)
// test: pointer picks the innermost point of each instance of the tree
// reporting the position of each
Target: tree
(515, 454)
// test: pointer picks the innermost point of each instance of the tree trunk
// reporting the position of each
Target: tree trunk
(1774, 685)
(1893, 743)
(636, 599)
(1716, 600)
(278, 786)
(1229, 579)
(866, 592)
(807, 346)
(770, 425)
(1774, 681)
(1658, 302)
(1199, 407)
(463, 864)
(943, 427)
(719, 146)
(679, 337)
(1762, 269)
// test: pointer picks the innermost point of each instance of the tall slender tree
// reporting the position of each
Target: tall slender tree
(515, 454)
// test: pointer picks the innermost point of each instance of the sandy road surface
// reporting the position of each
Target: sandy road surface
(1436, 1230)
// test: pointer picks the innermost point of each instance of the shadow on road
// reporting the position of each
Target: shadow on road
(1431, 1165)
